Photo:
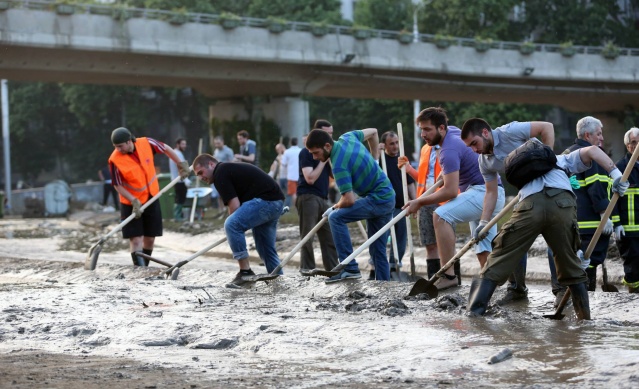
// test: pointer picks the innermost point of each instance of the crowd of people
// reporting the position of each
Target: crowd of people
(565, 203)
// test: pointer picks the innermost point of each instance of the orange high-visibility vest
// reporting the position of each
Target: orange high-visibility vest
(422, 172)
(138, 178)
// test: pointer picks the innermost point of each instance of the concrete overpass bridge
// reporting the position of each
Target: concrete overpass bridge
(99, 45)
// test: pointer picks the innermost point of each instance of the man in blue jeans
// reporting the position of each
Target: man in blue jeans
(356, 172)
(254, 201)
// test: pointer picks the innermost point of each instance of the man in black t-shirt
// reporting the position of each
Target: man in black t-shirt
(312, 202)
(390, 143)
(254, 201)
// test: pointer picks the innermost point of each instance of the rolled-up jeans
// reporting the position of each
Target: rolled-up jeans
(261, 217)
(377, 214)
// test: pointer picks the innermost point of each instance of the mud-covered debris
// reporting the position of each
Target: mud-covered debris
(419, 297)
(327, 306)
(99, 341)
(355, 307)
(120, 276)
(220, 344)
(450, 301)
(500, 356)
(396, 303)
(358, 295)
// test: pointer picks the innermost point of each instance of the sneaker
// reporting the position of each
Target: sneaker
(446, 282)
(238, 281)
(513, 295)
(344, 275)
(371, 275)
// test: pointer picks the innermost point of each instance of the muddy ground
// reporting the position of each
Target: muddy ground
(64, 327)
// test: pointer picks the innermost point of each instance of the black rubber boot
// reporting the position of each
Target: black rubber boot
(633, 290)
(591, 271)
(579, 294)
(481, 290)
(457, 269)
(433, 266)
(147, 252)
(137, 261)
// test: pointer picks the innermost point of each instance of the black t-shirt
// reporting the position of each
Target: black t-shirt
(320, 186)
(395, 176)
(244, 181)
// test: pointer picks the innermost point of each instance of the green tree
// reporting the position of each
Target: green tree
(297, 10)
(384, 14)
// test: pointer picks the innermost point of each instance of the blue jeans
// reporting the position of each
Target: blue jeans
(377, 214)
(400, 234)
(261, 217)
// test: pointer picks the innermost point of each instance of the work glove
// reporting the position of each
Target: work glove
(583, 261)
(184, 169)
(477, 235)
(328, 212)
(608, 229)
(187, 182)
(401, 161)
(574, 182)
(617, 185)
(619, 232)
(136, 208)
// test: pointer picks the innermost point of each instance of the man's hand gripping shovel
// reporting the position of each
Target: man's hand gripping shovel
(428, 286)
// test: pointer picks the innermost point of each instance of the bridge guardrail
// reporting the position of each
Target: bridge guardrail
(125, 13)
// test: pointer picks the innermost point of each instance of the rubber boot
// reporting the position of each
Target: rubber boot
(457, 270)
(432, 266)
(633, 290)
(481, 290)
(147, 252)
(580, 302)
(137, 261)
(177, 212)
(591, 271)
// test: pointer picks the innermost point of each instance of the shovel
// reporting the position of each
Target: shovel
(274, 274)
(174, 270)
(558, 315)
(92, 257)
(409, 233)
(428, 286)
(337, 269)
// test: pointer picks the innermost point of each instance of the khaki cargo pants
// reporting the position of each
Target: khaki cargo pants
(552, 213)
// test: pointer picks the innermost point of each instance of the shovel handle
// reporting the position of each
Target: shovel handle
(299, 245)
(472, 242)
(611, 205)
(409, 234)
(382, 230)
(195, 255)
(144, 206)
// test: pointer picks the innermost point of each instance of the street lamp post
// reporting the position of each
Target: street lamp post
(416, 103)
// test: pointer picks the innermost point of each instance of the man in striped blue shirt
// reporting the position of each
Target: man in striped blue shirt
(356, 172)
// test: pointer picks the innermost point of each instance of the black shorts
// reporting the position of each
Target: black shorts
(149, 224)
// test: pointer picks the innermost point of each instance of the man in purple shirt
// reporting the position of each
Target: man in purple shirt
(463, 190)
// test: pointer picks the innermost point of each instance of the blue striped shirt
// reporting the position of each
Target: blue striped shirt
(355, 169)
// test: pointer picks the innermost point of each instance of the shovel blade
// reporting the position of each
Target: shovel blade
(92, 258)
(555, 316)
(318, 272)
(424, 286)
(260, 277)
(609, 288)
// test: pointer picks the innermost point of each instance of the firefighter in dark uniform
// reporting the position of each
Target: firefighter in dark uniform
(627, 233)
(593, 197)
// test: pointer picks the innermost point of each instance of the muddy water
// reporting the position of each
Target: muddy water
(299, 332)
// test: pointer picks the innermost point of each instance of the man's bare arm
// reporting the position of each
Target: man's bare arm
(545, 130)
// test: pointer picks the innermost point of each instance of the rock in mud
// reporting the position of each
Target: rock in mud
(220, 344)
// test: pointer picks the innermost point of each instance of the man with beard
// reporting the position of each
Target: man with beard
(546, 206)
(493, 146)
(460, 173)
(356, 172)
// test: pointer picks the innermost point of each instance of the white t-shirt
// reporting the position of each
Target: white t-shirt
(291, 159)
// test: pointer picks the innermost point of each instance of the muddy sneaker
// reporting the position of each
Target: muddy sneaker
(344, 275)
(446, 282)
(513, 295)
(371, 275)
(238, 281)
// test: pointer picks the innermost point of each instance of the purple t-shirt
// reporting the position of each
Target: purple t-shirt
(456, 156)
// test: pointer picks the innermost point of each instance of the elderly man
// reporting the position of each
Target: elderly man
(627, 233)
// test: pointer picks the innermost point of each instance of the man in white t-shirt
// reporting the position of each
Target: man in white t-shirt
(290, 160)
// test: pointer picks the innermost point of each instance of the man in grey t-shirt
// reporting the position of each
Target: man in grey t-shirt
(546, 206)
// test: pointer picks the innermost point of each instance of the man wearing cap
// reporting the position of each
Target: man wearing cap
(133, 174)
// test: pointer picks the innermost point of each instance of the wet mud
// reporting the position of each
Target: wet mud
(62, 326)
